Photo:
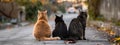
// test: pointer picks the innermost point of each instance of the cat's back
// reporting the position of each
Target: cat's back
(61, 26)
(42, 27)
(75, 24)
(42, 24)
(74, 20)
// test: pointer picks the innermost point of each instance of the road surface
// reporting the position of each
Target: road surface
(23, 35)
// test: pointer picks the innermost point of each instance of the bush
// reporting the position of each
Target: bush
(61, 8)
(93, 8)
(117, 23)
(91, 13)
(31, 11)
(100, 18)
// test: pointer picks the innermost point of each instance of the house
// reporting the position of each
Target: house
(11, 12)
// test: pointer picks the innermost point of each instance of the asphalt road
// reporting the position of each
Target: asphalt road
(23, 35)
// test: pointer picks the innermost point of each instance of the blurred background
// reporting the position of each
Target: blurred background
(18, 11)
(103, 15)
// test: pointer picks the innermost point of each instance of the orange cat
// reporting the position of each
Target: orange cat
(42, 29)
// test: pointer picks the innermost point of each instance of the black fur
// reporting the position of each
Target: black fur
(82, 18)
(60, 28)
(77, 27)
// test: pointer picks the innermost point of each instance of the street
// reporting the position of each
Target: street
(23, 35)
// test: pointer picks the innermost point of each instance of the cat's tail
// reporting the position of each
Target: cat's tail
(70, 40)
(52, 38)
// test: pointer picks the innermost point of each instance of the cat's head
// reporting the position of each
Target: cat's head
(82, 15)
(42, 15)
(59, 18)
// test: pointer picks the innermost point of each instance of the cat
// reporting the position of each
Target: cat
(60, 28)
(42, 29)
(82, 18)
(77, 27)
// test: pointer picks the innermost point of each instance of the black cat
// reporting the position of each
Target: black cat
(77, 28)
(60, 28)
(82, 18)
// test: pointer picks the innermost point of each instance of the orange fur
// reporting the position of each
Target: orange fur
(42, 29)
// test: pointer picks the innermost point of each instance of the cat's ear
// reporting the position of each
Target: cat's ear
(39, 11)
(56, 15)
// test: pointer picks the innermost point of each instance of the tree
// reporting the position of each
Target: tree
(93, 8)
(31, 10)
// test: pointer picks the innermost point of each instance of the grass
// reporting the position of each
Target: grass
(117, 23)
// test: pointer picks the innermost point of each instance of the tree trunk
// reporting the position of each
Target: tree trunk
(94, 5)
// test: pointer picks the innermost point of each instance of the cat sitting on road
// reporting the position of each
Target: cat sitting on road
(41, 29)
(60, 28)
(77, 28)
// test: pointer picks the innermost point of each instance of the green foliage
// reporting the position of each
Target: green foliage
(22, 2)
(93, 8)
(31, 11)
(30, 8)
(117, 23)
(100, 18)
(91, 13)
(61, 8)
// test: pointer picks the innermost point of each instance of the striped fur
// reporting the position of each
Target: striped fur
(77, 27)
